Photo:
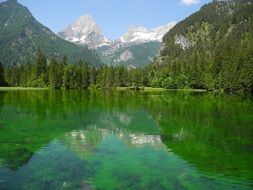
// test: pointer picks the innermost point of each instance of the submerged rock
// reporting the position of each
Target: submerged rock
(86, 185)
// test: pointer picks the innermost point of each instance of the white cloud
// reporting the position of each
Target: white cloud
(189, 2)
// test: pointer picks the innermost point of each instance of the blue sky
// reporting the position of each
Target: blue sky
(113, 16)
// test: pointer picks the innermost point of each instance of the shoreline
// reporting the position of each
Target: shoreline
(141, 89)
(151, 89)
(21, 88)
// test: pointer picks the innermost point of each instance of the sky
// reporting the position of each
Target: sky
(113, 16)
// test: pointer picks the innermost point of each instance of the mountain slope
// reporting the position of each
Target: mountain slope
(21, 36)
(132, 55)
(211, 49)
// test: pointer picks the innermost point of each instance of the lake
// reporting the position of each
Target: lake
(125, 140)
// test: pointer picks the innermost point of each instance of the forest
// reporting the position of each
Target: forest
(59, 74)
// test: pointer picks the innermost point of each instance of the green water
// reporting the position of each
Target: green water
(125, 140)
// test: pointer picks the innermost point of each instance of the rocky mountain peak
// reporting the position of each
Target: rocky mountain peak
(85, 24)
(84, 31)
(135, 33)
(142, 34)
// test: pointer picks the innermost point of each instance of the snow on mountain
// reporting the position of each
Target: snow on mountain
(134, 34)
(85, 31)
(160, 31)
(142, 34)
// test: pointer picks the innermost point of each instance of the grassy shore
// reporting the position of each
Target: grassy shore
(146, 89)
(20, 88)
(189, 89)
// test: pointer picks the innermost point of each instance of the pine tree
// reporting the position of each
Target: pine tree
(41, 68)
(66, 77)
(53, 74)
(2, 79)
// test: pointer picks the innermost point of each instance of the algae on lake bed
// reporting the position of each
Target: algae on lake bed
(125, 140)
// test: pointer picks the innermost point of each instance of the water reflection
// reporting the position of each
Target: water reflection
(125, 140)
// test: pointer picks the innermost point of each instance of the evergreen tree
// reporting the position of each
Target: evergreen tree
(41, 68)
(2, 78)
(53, 74)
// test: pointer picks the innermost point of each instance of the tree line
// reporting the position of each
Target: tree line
(59, 74)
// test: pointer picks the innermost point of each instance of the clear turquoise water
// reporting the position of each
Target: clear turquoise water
(125, 140)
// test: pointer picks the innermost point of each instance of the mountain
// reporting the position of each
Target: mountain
(142, 34)
(85, 31)
(211, 49)
(136, 48)
(21, 35)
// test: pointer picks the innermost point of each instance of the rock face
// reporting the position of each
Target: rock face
(85, 31)
(125, 56)
(182, 41)
(138, 46)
